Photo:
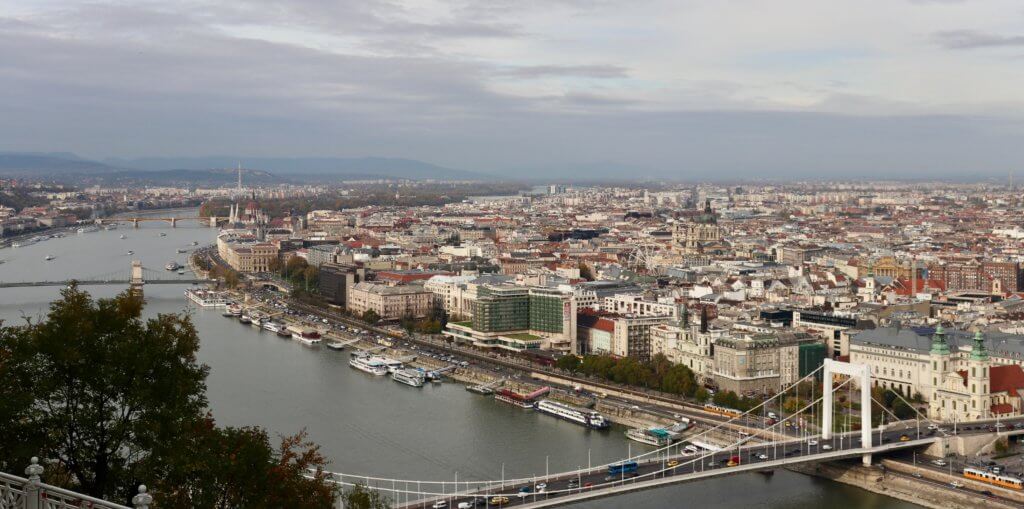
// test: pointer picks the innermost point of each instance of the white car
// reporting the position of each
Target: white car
(826, 447)
(762, 457)
(440, 504)
(812, 442)
(465, 505)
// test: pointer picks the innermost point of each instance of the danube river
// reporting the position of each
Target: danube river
(368, 425)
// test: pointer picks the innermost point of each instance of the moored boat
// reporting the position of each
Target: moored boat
(369, 365)
(581, 416)
(652, 436)
(412, 377)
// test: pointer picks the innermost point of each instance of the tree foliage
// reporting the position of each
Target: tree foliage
(659, 374)
(110, 400)
(359, 497)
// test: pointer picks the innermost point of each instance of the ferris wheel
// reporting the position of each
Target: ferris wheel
(643, 257)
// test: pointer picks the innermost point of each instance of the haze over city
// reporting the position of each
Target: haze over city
(575, 88)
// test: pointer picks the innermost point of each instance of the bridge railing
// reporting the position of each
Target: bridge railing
(32, 493)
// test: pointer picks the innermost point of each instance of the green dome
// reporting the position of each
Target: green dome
(939, 345)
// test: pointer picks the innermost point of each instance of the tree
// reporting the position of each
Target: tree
(569, 363)
(585, 272)
(361, 498)
(238, 467)
(370, 316)
(295, 266)
(275, 266)
(117, 391)
(123, 401)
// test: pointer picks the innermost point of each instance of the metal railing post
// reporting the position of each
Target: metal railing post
(143, 499)
(33, 471)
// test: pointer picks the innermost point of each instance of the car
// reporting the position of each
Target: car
(610, 478)
(826, 447)
(465, 505)
(904, 438)
(523, 492)
(956, 484)
(573, 484)
(499, 500)
(588, 485)
(987, 493)
(762, 457)
(939, 463)
(918, 475)
(673, 463)
(540, 486)
(933, 426)
(812, 442)
(440, 504)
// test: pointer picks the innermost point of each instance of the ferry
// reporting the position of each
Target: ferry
(304, 334)
(172, 266)
(413, 377)
(233, 310)
(245, 319)
(372, 366)
(49, 257)
(334, 345)
(392, 364)
(284, 333)
(308, 340)
(514, 399)
(206, 298)
(272, 326)
(581, 416)
(653, 436)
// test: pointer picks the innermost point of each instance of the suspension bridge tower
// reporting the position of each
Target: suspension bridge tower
(862, 373)
(135, 281)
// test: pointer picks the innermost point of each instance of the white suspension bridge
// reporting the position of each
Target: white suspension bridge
(824, 435)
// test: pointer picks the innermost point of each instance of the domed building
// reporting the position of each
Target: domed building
(700, 233)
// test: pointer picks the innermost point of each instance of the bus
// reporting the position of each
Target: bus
(627, 467)
(721, 410)
(984, 476)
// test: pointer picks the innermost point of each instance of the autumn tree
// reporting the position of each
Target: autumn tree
(110, 400)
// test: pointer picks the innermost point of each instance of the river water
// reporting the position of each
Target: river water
(370, 425)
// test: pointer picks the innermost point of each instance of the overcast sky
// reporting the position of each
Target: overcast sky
(680, 88)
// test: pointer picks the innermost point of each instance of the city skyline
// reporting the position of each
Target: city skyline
(573, 89)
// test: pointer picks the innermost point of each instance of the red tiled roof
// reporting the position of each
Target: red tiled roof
(1007, 378)
(1002, 408)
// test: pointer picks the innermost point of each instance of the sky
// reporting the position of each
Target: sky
(687, 89)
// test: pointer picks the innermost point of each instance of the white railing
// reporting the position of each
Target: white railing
(31, 493)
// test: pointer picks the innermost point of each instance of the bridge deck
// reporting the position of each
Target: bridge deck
(655, 473)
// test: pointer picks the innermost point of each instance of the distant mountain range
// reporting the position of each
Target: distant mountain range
(41, 164)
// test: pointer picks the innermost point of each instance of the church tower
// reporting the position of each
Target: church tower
(978, 378)
(941, 366)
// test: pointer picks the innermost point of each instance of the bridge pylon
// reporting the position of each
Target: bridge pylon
(863, 374)
(136, 282)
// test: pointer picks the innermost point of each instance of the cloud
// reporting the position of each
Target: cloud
(669, 85)
(583, 71)
(969, 39)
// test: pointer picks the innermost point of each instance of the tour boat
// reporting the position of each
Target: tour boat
(413, 377)
(272, 326)
(207, 298)
(372, 366)
(244, 319)
(333, 345)
(653, 436)
(172, 266)
(582, 416)
(513, 398)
